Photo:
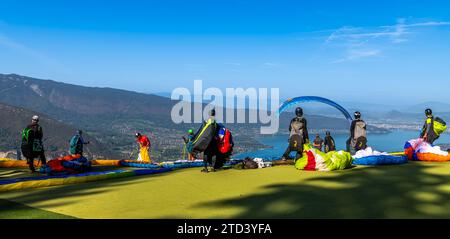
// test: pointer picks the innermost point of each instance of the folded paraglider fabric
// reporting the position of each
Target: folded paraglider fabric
(17, 163)
(314, 159)
(380, 160)
(144, 155)
(369, 156)
(66, 164)
(420, 150)
(56, 180)
(106, 162)
(170, 164)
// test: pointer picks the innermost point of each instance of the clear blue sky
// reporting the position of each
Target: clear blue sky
(378, 51)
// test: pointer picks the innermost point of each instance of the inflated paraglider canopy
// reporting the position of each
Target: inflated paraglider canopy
(294, 101)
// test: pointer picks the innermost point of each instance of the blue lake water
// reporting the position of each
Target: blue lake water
(392, 142)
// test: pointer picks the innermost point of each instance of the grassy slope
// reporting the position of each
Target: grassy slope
(415, 190)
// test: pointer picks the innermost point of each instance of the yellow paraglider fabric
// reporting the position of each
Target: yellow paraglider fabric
(144, 156)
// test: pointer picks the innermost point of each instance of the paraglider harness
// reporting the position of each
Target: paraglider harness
(32, 145)
(188, 145)
(76, 144)
(329, 143)
(437, 127)
(297, 131)
(359, 139)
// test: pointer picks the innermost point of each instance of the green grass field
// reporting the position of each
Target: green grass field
(414, 190)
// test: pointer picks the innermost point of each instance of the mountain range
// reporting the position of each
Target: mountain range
(112, 116)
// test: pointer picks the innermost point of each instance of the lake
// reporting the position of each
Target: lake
(392, 142)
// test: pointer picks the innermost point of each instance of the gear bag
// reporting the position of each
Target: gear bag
(74, 144)
(297, 126)
(296, 143)
(439, 126)
(226, 144)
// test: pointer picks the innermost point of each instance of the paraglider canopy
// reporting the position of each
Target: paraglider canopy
(294, 101)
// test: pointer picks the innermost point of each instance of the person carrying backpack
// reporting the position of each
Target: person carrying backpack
(225, 146)
(188, 144)
(210, 140)
(32, 145)
(77, 143)
(329, 144)
(358, 134)
(298, 134)
(144, 145)
(432, 128)
(318, 142)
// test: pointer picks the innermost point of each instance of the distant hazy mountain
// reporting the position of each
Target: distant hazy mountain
(56, 134)
(112, 116)
(435, 106)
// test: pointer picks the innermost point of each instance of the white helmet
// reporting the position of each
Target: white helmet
(35, 118)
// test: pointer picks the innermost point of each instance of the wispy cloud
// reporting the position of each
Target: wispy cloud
(358, 54)
(364, 42)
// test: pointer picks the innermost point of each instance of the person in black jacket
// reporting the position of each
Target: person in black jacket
(329, 143)
(358, 134)
(32, 146)
(427, 132)
(298, 135)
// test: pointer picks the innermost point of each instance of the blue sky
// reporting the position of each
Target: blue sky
(378, 52)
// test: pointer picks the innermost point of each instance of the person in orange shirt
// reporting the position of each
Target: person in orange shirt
(144, 144)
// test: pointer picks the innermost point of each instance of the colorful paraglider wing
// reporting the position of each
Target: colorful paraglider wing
(290, 102)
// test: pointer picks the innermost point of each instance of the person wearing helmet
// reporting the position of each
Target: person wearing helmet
(329, 144)
(318, 142)
(428, 132)
(77, 143)
(32, 146)
(188, 145)
(298, 134)
(211, 151)
(144, 145)
(358, 134)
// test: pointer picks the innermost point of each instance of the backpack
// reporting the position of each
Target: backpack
(360, 130)
(250, 164)
(25, 136)
(439, 126)
(204, 137)
(226, 144)
(26, 147)
(330, 145)
(296, 143)
(74, 144)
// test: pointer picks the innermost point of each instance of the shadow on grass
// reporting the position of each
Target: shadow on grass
(13, 210)
(404, 191)
(68, 192)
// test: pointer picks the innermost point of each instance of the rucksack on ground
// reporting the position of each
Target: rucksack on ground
(250, 164)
